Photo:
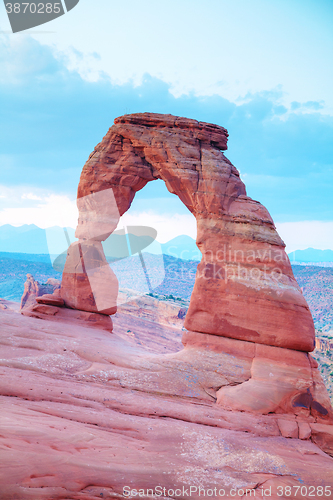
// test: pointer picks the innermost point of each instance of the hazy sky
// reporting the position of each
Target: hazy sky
(262, 69)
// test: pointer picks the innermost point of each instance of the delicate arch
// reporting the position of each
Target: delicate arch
(244, 288)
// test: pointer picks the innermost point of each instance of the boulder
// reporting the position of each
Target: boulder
(304, 430)
(288, 428)
(53, 299)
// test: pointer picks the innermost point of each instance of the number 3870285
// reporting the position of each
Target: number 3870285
(33, 8)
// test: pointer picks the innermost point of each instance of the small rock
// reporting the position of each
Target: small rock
(288, 428)
(304, 430)
(53, 282)
(52, 300)
(182, 313)
(322, 435)
(46, 309)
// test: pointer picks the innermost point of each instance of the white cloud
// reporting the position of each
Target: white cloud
(247, 47)
(306, 234)
(296, 235)
(167, 227)
(43, 210)
(20, 206)
(31, 196)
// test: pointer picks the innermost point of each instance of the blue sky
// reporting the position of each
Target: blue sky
(261, 69)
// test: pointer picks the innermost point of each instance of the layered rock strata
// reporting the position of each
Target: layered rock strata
(244, 288)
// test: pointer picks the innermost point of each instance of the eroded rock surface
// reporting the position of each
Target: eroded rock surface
(85, 413)
(38, 301)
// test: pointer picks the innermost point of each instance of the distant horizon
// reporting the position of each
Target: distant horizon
(172, 240)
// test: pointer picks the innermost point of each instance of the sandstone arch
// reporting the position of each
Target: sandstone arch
(245, 288)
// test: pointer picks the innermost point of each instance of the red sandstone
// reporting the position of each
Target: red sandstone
(245, 288)
(85, 413)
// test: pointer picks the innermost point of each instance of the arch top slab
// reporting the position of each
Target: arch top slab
(206, 132)
(244, 288)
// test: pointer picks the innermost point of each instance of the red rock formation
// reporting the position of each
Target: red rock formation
(245, 288)
(38, 301)
(89, 283)
(33, 289)
(276, 380)
(53, 299)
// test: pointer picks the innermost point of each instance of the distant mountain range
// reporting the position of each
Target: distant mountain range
(30, 239)
(311, 255)
(182, 247)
